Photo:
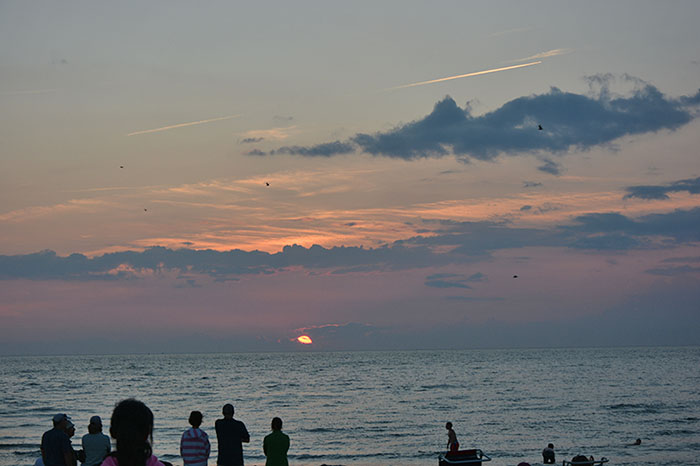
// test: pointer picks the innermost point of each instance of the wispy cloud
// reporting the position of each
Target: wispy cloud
(460, 76)
(182, 125)
(278, 134)
(547, 54)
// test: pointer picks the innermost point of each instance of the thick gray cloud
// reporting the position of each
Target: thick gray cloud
(467, 242)
(569, 121)
(691, 185)
(320, 150)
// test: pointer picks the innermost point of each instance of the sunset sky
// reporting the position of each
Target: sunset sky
(229, 176)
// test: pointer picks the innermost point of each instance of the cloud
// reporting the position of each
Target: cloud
(607, 231)
(547, 54)
(549, 166)
(674, 271)
(182, 125)
(445, 243)
(649, 192)
(570, 121)
(256, 152)
(460, 76)
(251, 140)
(326, 149)
(446, 280)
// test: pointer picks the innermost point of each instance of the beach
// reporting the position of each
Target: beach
(379, 408)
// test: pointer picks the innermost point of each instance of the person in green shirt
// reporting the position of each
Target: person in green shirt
(276, 445)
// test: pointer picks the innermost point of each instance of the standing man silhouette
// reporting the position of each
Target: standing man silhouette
(230, 434)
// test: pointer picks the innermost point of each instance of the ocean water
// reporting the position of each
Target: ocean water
(380, 408)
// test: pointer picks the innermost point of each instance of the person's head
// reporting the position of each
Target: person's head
(638, 441)
(60, 420)
(69, 429)
(228, 411)
(550, 445)
(132, 427)
(95, 425)
(195, 419)
(276, 423)
(448, 426)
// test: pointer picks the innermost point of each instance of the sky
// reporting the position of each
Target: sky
(228, 176)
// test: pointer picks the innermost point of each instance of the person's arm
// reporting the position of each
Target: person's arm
(207, 445)
(245, 438)
(265, 446)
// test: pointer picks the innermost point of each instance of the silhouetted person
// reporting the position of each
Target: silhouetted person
(276, 445)
(582, 459)
(56, 449)
(96, 445)
(132, 427)
(70, 432)
(452, 443)
(230, 435)
(548, 454)
(194, 445)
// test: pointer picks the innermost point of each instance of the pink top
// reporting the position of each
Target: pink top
(112, 461)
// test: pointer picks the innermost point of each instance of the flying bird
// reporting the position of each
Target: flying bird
(515, 276)
(539, 127)
(145, 210)
(121, 166)
(267, 184)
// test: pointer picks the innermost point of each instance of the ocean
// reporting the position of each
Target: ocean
(380, 408)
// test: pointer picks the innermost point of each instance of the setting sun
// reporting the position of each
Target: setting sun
(305, 340)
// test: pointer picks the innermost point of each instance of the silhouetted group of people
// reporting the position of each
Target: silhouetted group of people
(131, 427)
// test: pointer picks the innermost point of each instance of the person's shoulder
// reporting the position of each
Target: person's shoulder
(110, 460)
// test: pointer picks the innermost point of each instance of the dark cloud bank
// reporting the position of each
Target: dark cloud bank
(467, 242)
(692, 186)
(569, 121)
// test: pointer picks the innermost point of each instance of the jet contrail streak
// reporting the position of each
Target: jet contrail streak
(477, 73)
(182, 125)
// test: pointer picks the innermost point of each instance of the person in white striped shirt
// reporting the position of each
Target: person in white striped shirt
(195, 446)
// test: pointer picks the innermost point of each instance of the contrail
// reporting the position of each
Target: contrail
(182, 125)
(547, 54)
(477, 73)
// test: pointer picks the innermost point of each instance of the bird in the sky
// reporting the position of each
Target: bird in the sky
(539, 127)
(515, 276)
(145, 210)
(121, 166)
(267, 184)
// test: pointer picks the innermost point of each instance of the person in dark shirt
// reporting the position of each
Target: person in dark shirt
(56, 449)
(276, 445)
(230, 434)
(548, 454)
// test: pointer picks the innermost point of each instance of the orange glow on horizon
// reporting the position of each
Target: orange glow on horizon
(305, 340)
